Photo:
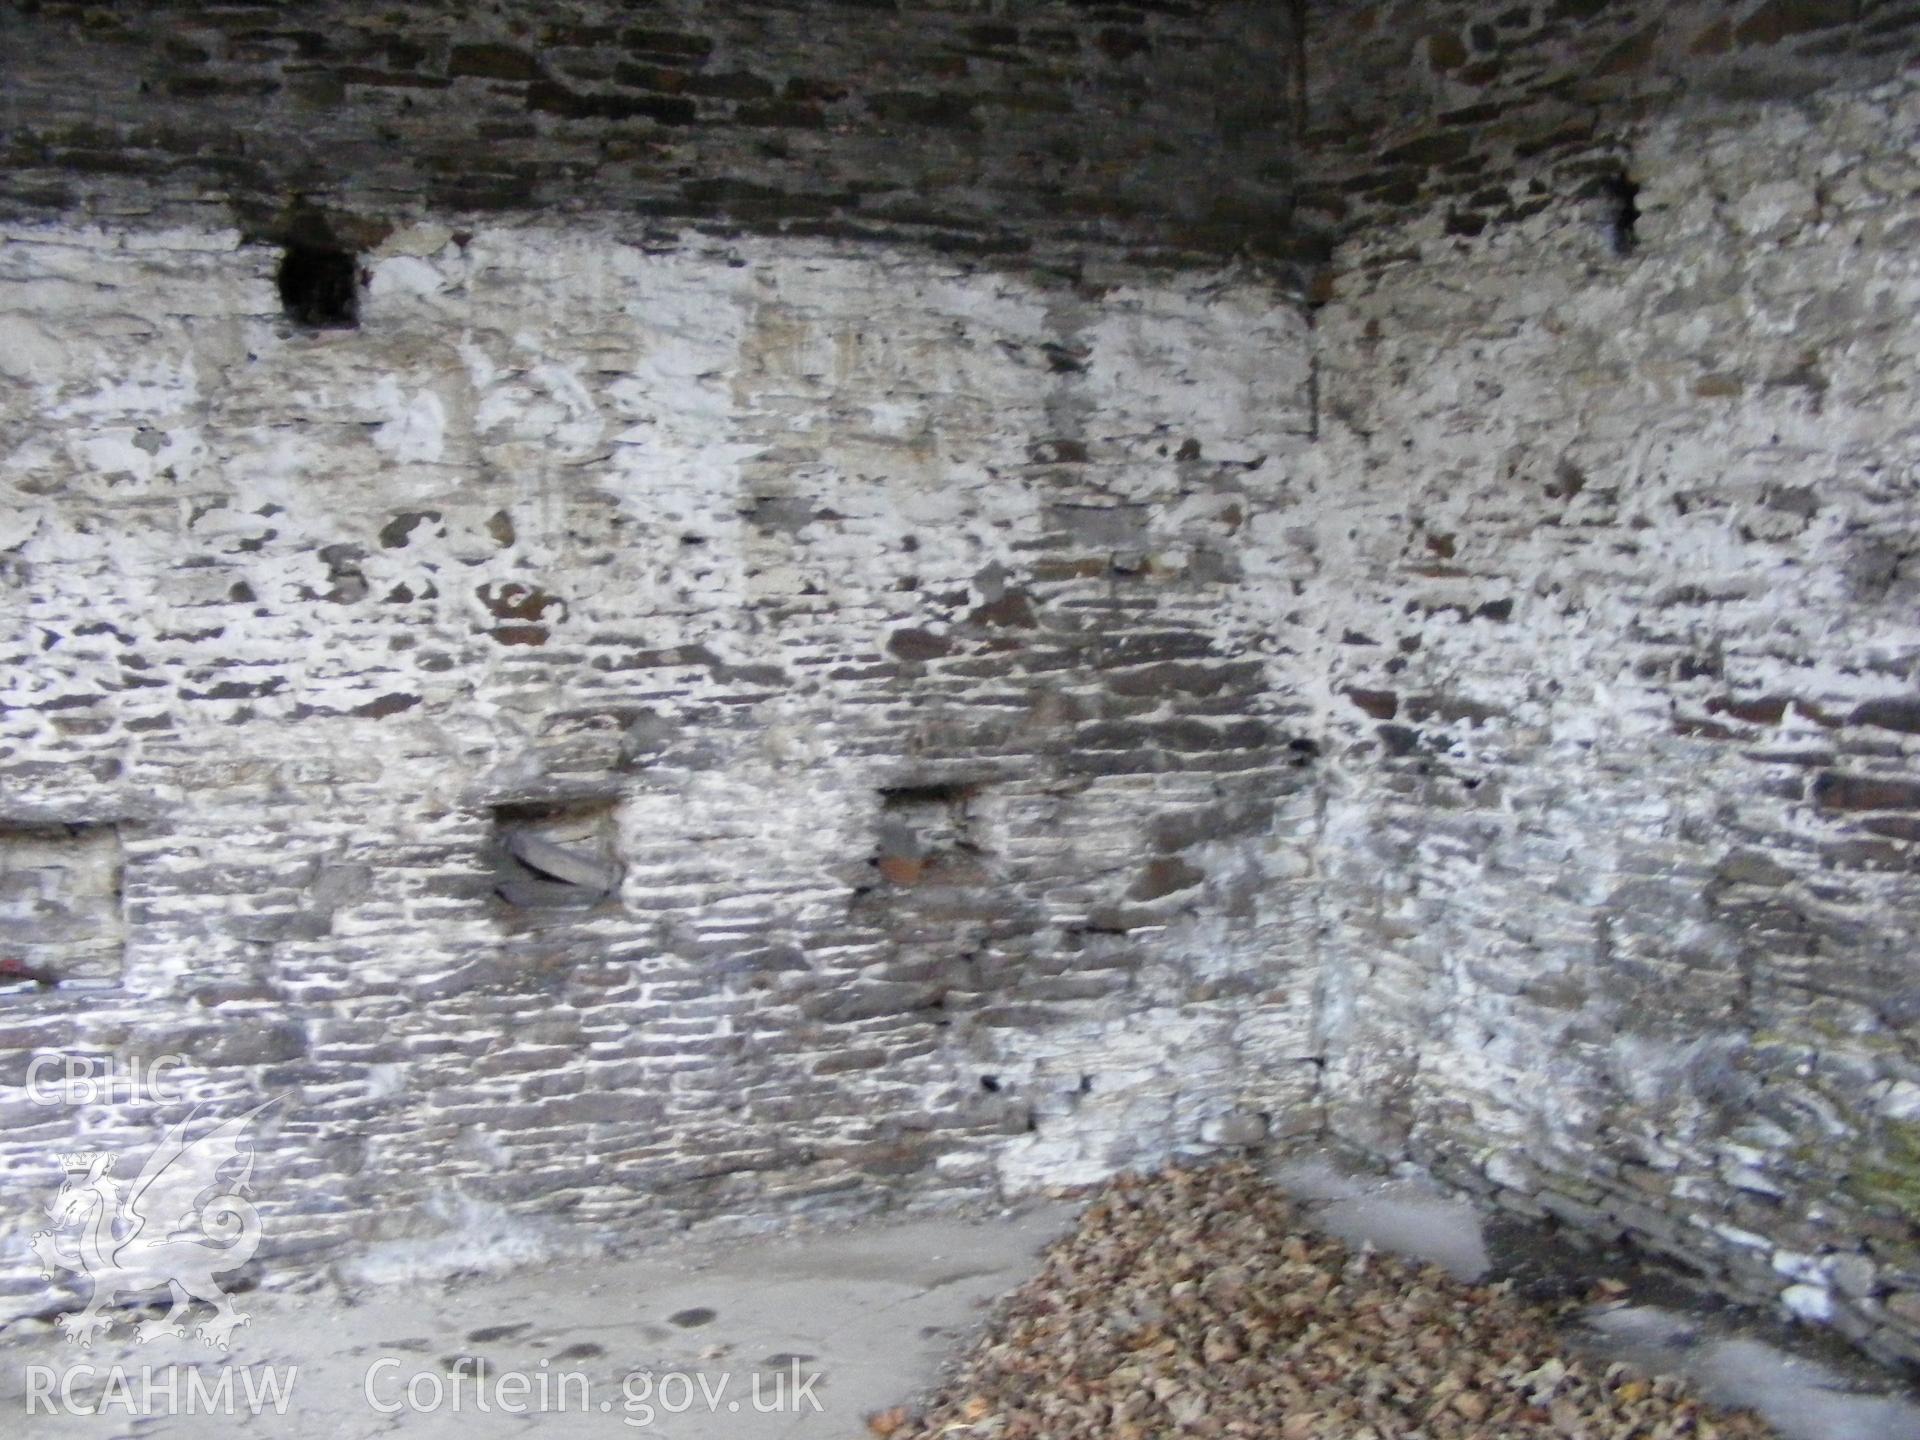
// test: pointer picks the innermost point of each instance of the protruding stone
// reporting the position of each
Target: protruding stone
(1808, 1302)
(1236, 1127)
(1853, 1274)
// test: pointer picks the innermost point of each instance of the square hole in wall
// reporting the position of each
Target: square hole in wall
(556, 856)
(319, 287)
(926, 834)
(61, 917)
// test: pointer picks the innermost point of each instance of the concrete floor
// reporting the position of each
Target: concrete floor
(857, 1320)
(872, 1312)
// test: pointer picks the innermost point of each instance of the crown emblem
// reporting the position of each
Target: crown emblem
(79, 1162)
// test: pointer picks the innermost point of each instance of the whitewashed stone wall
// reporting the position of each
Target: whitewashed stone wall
(1622, 585)
(894, 639)
(1003, 729)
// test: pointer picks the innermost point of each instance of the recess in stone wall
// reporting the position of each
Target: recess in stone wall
(61, 918)
(318, 277)
(926, 835)
(1623, 199)
(556, 856)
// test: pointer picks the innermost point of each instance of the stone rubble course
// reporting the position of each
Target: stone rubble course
(1194, 1302)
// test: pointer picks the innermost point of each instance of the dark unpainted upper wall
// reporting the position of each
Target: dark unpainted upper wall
(1491, 110)
(1159, 129)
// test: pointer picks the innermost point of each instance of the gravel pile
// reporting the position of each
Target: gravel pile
(1192, 1303)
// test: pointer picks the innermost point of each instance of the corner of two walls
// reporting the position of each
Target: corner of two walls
(1623, 799)
(646, 732)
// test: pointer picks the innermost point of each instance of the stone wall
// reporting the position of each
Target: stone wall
(1019, 128)
(627, 734)
(1622, 812)
(1427, 119)
(673, 711)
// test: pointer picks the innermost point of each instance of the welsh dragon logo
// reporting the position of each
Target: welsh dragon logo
(182, 1221)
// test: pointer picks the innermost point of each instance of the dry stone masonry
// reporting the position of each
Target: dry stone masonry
(681, 614)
